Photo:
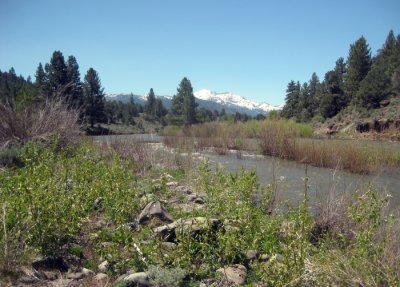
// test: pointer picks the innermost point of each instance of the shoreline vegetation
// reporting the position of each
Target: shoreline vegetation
(121, 211)
(287, 140)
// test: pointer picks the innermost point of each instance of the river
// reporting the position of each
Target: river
(289, 176)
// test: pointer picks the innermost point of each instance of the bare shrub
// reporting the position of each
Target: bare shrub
(37, 122)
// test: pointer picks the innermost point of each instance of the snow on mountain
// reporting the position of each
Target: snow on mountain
(211, 100)
(229, 98)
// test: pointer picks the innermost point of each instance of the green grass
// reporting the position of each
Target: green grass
(48, 204)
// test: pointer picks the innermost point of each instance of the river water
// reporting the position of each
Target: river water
(322, 182)
(289, 176)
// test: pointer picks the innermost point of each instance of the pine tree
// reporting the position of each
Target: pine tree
(378, 84)
(183, 108)
(290, 109)
(94, 98)
(313, 99)
(74, 89)
(41, 82)
(150, 104)
(57, 74)
(358, 66)
(303, 112)
(159, 110)
(333, 98)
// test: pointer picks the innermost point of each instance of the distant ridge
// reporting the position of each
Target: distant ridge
(229, 101)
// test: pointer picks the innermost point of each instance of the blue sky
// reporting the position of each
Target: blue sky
(253, 48)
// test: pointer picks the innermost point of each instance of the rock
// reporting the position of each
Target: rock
(199, 200)
(264, 257)
(49, 263)
(384, 103)
(87, 272)
(132, 225)
(137, 279)
(75, 276)
(184, 189)
(97, 204)
(236, 274)
(196, 224)
(154, 209)
(363, 127)
(193, 225)
(63, 282)
(51, 275)
(172, 184)
(195, 198)
(100, 279)
(28, 280)
(252, 254)
(103, 266)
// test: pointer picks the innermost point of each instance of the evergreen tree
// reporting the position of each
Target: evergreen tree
(358, 66)
(303, 111)
(74, 89)
(396, 81)
(159, 110)
(290, 109)
(378, 84)
(374, 88)
(313, 99)
(183, 108)
(94, 98)
(57, 74)
(333, 98)
(41, 82)
(12, 87)
(150, 104)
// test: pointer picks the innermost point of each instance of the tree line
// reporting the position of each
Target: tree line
(360, 82)
(60, 79)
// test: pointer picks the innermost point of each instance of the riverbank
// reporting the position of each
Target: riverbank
(288, 140)
(121, 214)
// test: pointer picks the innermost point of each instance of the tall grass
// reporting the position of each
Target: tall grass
(227, 135)
(291, 141)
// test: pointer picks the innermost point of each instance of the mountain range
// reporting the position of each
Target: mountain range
(229, 101)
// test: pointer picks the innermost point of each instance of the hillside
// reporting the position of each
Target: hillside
(382, 123)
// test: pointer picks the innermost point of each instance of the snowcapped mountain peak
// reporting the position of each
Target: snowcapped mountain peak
(211, 100)
(231, 99)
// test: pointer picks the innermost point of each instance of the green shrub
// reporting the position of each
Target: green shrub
(46, 202)
(165, 277)
(10, 157)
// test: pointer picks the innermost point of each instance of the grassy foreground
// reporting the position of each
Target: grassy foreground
(51, 206)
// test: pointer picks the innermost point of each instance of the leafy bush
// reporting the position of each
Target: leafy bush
(45, 203)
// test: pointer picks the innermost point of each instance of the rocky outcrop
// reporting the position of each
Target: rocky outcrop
(377, 125)
(154, 210)
(235, 274)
